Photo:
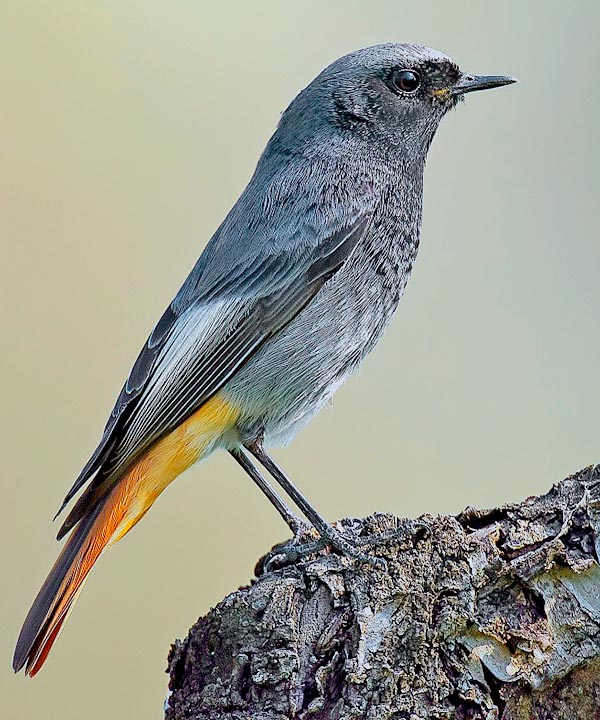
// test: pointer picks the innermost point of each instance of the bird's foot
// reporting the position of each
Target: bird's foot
(298, 547)
(349, 547)
(290, 551)
(377, 539)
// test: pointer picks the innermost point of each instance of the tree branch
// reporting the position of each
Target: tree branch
(489, 614)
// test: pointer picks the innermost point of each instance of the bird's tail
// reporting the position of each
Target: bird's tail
(104, 519)
(104, 525)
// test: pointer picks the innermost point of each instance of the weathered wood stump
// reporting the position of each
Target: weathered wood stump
(488, 614)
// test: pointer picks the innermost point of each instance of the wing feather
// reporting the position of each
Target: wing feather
(191, 354)
(141, 371)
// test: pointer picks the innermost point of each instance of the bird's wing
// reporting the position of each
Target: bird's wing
(136, 381)
(231, 303)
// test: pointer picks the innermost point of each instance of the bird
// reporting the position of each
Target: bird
(293, 290)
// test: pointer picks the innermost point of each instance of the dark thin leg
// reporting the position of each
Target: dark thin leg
(292, 521)
(328, 533)
(277, 474)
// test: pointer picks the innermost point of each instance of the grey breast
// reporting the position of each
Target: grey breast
(296, 372)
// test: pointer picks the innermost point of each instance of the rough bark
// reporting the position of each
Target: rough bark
(490, 614)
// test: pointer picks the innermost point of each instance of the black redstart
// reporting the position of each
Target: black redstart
(295, 287)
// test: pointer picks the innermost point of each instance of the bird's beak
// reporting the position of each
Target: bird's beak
(470, 83)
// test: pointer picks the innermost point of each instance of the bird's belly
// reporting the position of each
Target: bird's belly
(296, 372)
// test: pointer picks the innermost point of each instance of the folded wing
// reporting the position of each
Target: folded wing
(231, 304)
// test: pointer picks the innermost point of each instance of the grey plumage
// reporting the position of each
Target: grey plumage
(347, 148)
(295, 287)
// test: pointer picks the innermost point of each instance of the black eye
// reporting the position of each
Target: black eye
(407, 81)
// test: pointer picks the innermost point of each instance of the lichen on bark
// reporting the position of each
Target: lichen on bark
(488, 614)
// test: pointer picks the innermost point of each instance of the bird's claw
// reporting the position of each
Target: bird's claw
(350, 548)
(293, 550)
(288, 554)
(376, 539)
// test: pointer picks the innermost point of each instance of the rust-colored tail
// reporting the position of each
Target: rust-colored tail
(103, 520)
(62, 586)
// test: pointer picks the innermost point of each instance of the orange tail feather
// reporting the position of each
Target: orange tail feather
(108, 519)
(62, 586)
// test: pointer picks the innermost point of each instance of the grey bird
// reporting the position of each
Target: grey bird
(295, 287)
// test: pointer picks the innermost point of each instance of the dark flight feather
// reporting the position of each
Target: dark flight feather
(250, 323)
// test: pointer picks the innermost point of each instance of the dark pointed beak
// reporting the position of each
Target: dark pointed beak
(470, 83)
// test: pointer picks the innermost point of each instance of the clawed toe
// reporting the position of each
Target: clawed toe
(288, 553)
(351, 549)
(297, 548)
(378, 539)
(383, 538)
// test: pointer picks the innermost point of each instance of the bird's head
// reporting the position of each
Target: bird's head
(392, 96)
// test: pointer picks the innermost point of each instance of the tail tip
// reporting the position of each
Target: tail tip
(18, 661)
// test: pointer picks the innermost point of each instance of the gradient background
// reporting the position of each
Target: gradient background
(127, 131)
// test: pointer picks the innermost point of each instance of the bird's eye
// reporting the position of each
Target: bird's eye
(407, 81)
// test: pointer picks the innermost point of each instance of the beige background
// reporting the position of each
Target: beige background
(127, 130)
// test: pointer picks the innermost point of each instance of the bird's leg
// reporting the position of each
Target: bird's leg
(328, 534)
(296, 525)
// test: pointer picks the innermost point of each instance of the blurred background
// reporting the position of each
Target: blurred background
(127, 131)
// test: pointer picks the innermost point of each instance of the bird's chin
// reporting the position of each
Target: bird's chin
(452, 102)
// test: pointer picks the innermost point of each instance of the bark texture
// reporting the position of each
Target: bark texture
(491, 614)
